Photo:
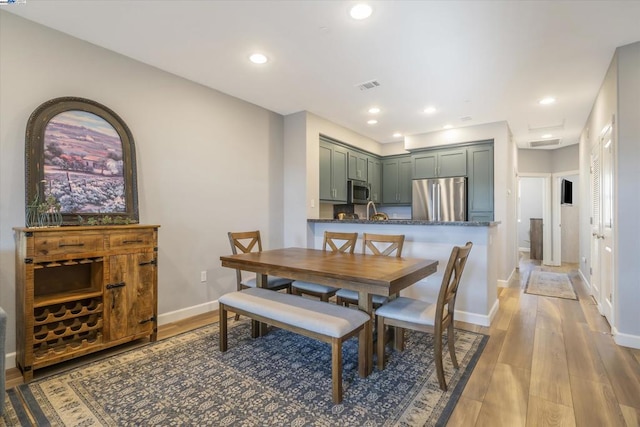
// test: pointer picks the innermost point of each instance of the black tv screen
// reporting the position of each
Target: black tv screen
(566, 192)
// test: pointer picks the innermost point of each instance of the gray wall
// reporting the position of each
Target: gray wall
(208, 163)
(549, 161)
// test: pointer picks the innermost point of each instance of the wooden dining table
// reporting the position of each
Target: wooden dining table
(366, 274)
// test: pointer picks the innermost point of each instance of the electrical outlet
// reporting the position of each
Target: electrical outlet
(203, 276)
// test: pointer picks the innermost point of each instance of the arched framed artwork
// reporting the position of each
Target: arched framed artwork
(80, 164)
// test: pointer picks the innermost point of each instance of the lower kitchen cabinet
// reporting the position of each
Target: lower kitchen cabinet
(83, 289)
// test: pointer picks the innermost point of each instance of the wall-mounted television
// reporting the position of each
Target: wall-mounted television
(566, 192)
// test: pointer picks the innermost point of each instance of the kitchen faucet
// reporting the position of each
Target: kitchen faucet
(374, 208)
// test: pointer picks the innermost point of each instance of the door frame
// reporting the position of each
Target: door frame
(546, 212)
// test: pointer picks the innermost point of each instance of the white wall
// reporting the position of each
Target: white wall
(570, 224)
(202, 170)
(531, 203)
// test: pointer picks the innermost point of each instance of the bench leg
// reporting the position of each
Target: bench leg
(336, 369)
(223, 328)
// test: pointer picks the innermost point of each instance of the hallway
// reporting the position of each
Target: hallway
(550, 362)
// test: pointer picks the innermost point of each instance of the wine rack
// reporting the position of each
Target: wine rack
(83, 289)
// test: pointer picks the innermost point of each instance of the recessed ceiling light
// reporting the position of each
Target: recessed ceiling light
(397, 135)
(447, 127)
(429, 110)
(374, 110)
(547, 100)
(546, 135)
(361, 11)
(372, 122)
(258, 58)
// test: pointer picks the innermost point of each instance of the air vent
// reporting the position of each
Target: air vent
(465, 118)
(544, 143)
(368, 85)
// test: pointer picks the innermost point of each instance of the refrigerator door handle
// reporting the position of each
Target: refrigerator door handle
(433, 202)
(439, 201)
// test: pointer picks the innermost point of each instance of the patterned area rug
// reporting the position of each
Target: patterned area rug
(550, 284)
(280, 379)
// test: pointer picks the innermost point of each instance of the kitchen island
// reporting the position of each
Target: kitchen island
(477, 300)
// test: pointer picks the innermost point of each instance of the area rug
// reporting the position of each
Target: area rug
(550, 284)
(280, 379)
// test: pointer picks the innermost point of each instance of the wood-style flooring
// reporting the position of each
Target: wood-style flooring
(549, 362)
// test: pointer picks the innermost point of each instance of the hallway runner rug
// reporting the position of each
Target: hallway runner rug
(280, 379)
(550, 284)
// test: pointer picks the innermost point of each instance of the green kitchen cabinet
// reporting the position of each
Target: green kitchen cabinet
(480, 182)
(440, 163)
(358, 163)
(374, 178)
(396, 180)
(333, 172)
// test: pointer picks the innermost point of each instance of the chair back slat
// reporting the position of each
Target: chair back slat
(340, 242)
(383, 244)
(450, 284)
(246, 241)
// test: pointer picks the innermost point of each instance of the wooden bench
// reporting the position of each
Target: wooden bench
(315, 319)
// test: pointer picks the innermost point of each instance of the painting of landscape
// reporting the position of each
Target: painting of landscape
(83, 164)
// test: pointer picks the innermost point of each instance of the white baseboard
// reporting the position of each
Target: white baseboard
(478, 319)
(184, 313)
(587, 284)
(505, 283)
(625, 340)
(10, 360)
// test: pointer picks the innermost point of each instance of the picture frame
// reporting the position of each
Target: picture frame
(80, 165)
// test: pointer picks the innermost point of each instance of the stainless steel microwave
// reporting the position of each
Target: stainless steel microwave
(358, 192)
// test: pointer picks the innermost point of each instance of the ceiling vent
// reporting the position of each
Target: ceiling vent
(544, 143)
(368, 85)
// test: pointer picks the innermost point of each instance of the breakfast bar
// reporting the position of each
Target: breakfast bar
(477, 300)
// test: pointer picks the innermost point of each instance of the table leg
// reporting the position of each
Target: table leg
(365, 304)
(261, 282)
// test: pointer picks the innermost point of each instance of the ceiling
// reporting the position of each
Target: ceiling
(476, 62)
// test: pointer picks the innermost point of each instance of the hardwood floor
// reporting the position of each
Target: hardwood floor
(549, 362)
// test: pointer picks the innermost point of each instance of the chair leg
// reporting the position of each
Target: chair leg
(451, 341)
(223, 327)
(398, 335)
(336, 369)
(437, 355)
(236, 317)
(381, 342)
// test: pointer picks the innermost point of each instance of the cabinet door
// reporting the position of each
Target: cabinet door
(129, 295)
(374, 175)
(480, 182)
(339, 168)
(452, 163)
(357, 165)
(326, 154)
(424, 165)
(404, 181)
(390, 174)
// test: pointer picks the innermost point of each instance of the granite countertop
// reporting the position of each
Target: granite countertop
(407, 222)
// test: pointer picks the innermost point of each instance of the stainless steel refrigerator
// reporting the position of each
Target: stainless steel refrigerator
(439, 199)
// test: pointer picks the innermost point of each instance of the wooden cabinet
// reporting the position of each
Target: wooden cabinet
(396, 180)
(440, 163)
(374, 178)
(83, 289)
(480, 182)
(333, 172)
(358, 163)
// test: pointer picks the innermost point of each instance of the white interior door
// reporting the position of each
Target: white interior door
(602, 245)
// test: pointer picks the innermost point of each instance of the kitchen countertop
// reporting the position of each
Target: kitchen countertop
(407, 222)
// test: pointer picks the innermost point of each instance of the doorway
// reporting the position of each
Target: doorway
(533, 205)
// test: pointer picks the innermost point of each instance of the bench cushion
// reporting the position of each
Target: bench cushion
(315, 316)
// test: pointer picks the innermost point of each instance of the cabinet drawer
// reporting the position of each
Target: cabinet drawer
(131, 239)
(67, 244)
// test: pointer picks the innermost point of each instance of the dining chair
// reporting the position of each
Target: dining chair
(377, 244)
(408, 313)
(336, 242)
(250, 241)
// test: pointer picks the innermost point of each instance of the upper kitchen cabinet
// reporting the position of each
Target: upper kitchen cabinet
(358, 162)
(480, 182)
(396, 180)
(333, 172)
(440, 163)
(374, 178)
